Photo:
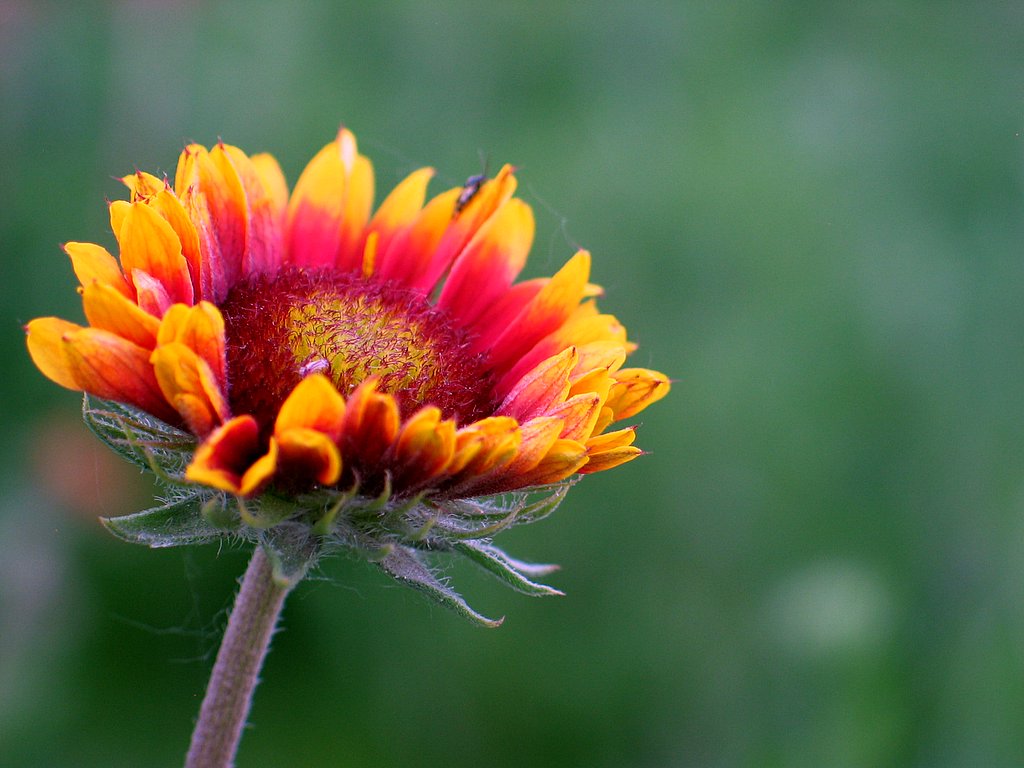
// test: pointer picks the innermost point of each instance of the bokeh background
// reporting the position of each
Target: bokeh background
(809, 214)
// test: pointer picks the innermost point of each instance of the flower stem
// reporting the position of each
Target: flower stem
(229, 692)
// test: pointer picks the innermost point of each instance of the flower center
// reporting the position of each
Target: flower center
(284, 327)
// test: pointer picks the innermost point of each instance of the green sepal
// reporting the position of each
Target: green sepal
(266, 511)
(175, 524)
(509, 570)
(483, 517)
(219, 513)
(405, 565)
(140, 438)
(292, 551)
(325, 520)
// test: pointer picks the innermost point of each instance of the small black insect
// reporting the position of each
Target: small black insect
(469, 190)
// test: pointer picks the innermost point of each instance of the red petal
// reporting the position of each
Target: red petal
(308, 453)
(401, 208)
(226, 458)
(545, 386)
(330, 207)
(370, 427)
(412, 249)
(487, 266)
(461, 229)
(212, 175)
(424, 448)
(548, 310)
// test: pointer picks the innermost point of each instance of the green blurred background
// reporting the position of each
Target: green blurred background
(809, 214)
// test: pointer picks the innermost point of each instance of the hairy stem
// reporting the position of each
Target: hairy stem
(229, 692)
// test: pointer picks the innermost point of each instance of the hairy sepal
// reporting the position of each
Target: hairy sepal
(140, 438)
(175, 524)
(508, 570)
(406, 566)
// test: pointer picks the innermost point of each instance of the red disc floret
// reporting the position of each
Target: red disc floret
(283, 327)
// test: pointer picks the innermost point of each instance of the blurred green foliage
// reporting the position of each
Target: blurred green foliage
(809, 214)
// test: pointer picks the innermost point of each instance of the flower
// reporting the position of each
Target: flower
(302, 358)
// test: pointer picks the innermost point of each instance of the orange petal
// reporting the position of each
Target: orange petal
(548, 310)
(113, 368)
(225, 191)
(543, 387)
(492, 195)
(212, 174)
(274, 184)
(358, 204)
(583, 328)
(484, 445)
(190, 386)
(45, 337)
(213, 275)
(604, 420)
(107, 308)
(604, 355)
(611, 440)
(201, 329)
(634, 389)
(117, 210)
(93, 263)
(149, 244)
(98, 362)
(264, 216)
(461, 229)
(313, 404)
(307, 454)
(186, 175)
(142, 185)
(424, 447)
(261, 471)
(173, 210)
(612, 458)
(490, 262)
(370, 426)
(229, 458)
(598, 381)
(400, 208)
(330, 207)
(411, 250)
(369, 254)
(564, 458)
(157, 193)
(579, 414)
(538, 436)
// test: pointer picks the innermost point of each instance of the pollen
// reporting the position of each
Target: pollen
(281, 328)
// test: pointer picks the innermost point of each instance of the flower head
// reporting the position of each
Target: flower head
(302, 369)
